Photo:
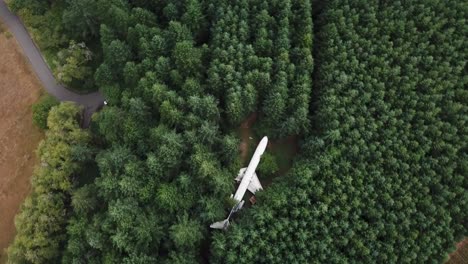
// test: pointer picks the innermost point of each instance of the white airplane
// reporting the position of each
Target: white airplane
(249, 181)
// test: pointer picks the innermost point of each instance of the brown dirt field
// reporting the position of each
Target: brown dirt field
(19, 88)
(460, 256)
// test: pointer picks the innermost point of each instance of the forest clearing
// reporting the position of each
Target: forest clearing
(19, 89)
(280, 152)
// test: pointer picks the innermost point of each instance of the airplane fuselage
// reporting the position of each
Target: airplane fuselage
(248, 181)
(249, 172)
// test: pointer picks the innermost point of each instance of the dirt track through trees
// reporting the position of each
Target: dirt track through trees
(19, 88)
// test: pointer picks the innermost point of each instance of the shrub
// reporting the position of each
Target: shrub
(268, 165)
(8, 35)
(41, 110)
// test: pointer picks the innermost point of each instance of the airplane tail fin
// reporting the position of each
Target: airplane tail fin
(221, 224)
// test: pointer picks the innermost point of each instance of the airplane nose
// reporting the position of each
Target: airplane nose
(263, 144)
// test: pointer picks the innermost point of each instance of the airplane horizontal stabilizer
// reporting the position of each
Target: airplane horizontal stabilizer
(221, 224)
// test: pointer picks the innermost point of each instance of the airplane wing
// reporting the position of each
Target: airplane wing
(254, 184)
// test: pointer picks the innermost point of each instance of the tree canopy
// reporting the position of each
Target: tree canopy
(383, 179)
(41, 224)
(374, 91)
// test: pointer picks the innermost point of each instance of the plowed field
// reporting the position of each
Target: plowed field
(19, 88)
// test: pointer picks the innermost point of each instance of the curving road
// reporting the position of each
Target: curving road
(91, 101)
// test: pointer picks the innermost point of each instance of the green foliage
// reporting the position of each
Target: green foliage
(187, 58)
(383, 180)
(160, 180)
(40, 227)
(43, 21)
(72, 63)
(262, 56)
(381, 174)
(230, 148)
(268, 165)
(186, 233)
(82, 18)
(56, 24)
(84, 199)
(116, 55)
(109, 123)
(41, 223)
(194, 17)
(41, 110)
(38, 7)
(8, 35)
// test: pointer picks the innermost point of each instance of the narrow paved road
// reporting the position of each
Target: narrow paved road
(91, 101)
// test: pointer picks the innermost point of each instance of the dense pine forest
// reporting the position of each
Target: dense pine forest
(374, 92)
(383, 178)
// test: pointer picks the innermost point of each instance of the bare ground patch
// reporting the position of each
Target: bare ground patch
(19, 89)
(246, 136)
(283, 149)
(460, 256)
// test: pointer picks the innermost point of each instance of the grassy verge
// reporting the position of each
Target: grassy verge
(4, 30)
